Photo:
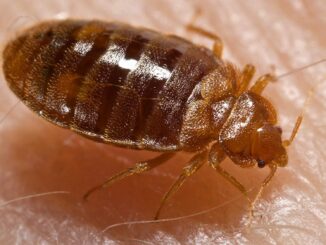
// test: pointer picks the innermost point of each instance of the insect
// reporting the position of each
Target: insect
(137, 88)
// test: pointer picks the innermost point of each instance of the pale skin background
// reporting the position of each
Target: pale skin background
(37, 157)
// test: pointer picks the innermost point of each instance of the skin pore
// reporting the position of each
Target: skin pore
(37, 157)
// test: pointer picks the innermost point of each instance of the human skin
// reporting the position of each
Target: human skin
(37, 157)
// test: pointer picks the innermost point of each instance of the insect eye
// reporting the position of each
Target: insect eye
(279, 130)
(261, 163)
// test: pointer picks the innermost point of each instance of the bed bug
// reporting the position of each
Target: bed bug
(137, 88)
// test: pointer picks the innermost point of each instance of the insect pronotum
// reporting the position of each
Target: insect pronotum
(137, 88)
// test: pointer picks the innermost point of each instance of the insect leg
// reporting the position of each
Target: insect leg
(137, 169)
(218, 44)
(194, 165)
(273, 168)
(262, 82)
(216, 156)
(245, 78)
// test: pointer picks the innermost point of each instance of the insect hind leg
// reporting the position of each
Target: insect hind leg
(137, 169)
(218, 44)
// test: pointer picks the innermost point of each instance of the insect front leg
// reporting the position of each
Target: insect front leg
(262, 82)
(218, 44)
(216, 156)
(194, 165)
(137, 169)
(273, 168)
(245, 78)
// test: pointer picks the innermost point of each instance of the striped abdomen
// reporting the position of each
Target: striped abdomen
(109, 81)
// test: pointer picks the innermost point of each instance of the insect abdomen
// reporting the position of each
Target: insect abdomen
(109, 81)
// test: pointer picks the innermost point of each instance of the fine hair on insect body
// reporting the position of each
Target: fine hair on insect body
(136, 88)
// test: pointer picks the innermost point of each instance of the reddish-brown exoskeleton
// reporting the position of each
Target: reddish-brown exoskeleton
(137, 88)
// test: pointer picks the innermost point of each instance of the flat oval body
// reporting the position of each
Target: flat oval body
(108, 81)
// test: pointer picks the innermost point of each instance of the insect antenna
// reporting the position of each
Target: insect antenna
(300, 69)
(274, 165)
(286, 143)
(299, 119)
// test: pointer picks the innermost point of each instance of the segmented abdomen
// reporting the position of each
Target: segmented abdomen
(109, 81)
